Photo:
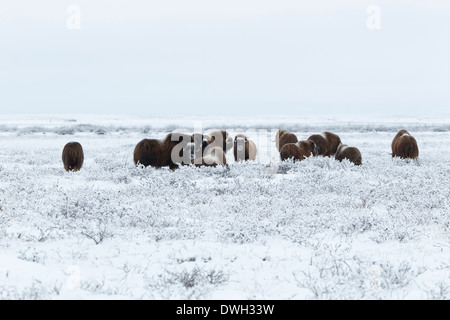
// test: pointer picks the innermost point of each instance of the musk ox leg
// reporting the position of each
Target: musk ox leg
(173, 166)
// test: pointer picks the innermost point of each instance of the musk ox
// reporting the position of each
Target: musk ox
(405, 146)
(327, 143)
(280, 132)
(73, 156)
(283, 137)
(196, 148)
(212, 158)
(221, 139)
(298, 151)
(350, 153)
(202, 144)
(168, 152)
(244, 149)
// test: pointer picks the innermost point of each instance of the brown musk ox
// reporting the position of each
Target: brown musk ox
(167, 152)
(73, 156)
(221, 139)
(298, 151)
(212, 158)
(280, 132)
(405, 146)
(327, 143)
(244, 148)
(283, 137)
(350, 153)
(199, 142)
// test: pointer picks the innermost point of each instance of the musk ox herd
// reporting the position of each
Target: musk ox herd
(210, 149)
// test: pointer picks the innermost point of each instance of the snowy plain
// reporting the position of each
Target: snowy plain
(317, 229)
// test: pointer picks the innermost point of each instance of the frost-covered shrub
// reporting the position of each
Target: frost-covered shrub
(192, 283)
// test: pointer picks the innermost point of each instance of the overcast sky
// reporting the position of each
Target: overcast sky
(225, 57)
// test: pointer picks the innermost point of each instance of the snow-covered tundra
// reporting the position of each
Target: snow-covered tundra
(315, 229)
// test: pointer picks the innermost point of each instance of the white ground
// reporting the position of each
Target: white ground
(318, 229)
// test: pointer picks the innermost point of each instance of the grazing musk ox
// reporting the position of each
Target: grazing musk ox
(213, 157)
(244, 149)
(298, 151)
(220, 138)
(196, 148)
(73, 156)
(350, 153)
(327, 143)
(280, 132)
(283, 137)
(168, 152)
(404, 146)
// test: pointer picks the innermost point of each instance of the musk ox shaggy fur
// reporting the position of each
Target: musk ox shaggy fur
(283, 137)
(280, 132)
(168, 152)
(405, 146)
(73, 156)
(244, 149)
(327, 143)
(221, 139)
(212, 158)
(298, 151)
(196, 148)
(350, 153)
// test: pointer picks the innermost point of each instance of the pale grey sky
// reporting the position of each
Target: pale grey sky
(225, 57)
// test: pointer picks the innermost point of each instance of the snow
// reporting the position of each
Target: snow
(317, 229)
